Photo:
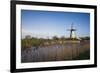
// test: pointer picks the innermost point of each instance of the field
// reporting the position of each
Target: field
(56, 52)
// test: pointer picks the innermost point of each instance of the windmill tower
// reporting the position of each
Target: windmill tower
(72, 32)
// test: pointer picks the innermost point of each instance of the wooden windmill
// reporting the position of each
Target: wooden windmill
(72, 32)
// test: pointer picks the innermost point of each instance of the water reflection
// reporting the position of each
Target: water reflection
(57, 52)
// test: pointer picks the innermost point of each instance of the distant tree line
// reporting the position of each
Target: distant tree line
(29, 41)
(85, 38)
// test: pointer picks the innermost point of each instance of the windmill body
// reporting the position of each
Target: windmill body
(73, 38)
(72, 32)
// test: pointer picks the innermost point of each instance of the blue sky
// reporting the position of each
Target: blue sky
(45, 24)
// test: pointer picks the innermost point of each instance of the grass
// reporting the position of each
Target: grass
(83, 56)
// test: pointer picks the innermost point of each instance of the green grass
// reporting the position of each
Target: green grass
(83, 56)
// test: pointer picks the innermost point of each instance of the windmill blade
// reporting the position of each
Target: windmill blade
(72, 26)
(68, 29)
(73, 29)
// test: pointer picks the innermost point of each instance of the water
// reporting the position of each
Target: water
(56, 52)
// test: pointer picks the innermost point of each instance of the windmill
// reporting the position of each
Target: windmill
(72, 32)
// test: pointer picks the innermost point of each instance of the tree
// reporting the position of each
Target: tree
(28, 37)
(63, 38)
(55, 38)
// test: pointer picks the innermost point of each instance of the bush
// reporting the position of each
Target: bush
(28, 43)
